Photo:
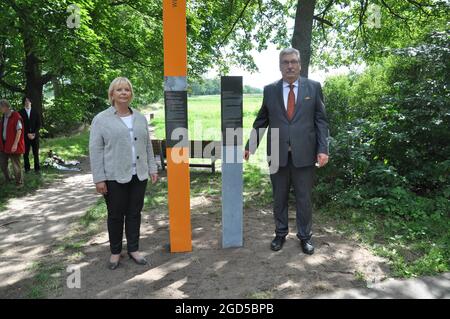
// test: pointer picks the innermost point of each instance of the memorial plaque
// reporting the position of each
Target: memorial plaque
(231, 104)
(176, 117)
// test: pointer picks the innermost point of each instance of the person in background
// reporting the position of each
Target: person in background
(122, 160)
(32, 124)
(12, 144)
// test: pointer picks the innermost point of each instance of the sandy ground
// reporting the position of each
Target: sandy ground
(32, 224)
(252, 271)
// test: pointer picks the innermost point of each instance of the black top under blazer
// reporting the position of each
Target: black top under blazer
(32, 124)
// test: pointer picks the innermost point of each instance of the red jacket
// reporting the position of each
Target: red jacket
(11, 131)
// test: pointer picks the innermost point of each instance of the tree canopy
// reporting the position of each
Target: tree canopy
(39, 48)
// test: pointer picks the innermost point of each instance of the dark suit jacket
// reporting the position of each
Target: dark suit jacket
(306, 133)
(32, 124)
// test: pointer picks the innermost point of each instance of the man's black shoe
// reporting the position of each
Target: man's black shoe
(307, 247)
(277, 243)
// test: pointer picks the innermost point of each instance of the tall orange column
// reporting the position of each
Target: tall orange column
(175, 100)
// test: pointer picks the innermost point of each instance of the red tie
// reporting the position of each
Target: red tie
(291, 102)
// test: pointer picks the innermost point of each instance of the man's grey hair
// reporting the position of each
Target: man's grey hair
(5, 103)
(289, 51)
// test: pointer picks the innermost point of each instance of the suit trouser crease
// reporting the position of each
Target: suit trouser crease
(17, 169)
(34, 145)
(301, 178)
(125, 202)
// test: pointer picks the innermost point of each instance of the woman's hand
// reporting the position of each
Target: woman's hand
(101, 188)
(154, 178)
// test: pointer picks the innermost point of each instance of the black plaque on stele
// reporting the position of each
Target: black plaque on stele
(176, 118)
(231, 102)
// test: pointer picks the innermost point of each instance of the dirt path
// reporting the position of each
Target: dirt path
(253, 271)
(32, 224)
(428, 287)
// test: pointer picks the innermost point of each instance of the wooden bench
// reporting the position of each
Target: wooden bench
(197, 149)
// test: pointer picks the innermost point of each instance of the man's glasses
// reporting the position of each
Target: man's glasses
(286, 63)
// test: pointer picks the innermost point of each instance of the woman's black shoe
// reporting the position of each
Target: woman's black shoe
(140, 261)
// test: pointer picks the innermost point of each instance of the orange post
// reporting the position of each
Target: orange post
(179, 202)
(175, 71)
(174, 31)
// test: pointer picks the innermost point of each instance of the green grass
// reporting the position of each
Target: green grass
(204, 116)
(360, 277)
(77, 237)
(95, 213)
(88, 225)
(46, 280)
(204, 122)
(416, 247)
(69, 148)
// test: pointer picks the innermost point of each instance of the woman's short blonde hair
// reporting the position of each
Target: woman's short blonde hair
(114, 84)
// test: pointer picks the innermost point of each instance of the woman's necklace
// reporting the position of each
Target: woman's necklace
(123, 114)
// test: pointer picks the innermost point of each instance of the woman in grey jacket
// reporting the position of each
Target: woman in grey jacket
(122, 160)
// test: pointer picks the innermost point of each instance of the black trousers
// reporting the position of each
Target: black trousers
(302, 178)
(124, 201)
(34, 145)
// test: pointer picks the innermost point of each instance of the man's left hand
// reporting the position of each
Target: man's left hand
(14, 148)
(322, 159)
(154, 178)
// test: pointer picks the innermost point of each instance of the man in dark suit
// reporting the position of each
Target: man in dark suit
(32, 123)
(293, 110)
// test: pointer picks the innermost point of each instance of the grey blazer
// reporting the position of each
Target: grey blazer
(306, 134)
(110, 148)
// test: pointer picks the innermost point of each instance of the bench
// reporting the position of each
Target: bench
(197, 149)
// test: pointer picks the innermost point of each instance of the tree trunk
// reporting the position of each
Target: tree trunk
(34, 81)
(34, 86)
(301, 39)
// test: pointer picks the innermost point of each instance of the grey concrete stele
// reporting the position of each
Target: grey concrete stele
(232, 179)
